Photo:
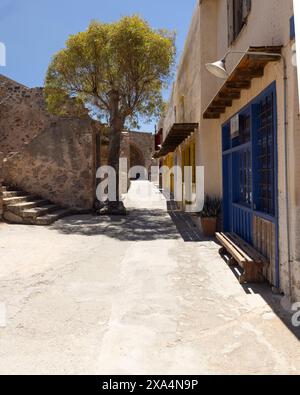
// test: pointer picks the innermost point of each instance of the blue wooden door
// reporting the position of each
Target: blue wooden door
(250, 167)
(237, 178)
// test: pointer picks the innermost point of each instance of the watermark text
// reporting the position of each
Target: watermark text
(2, 54)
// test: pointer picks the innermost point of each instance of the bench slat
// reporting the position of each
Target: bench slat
(255, 255)
(237, 246)
(231, 248)
(248, 259)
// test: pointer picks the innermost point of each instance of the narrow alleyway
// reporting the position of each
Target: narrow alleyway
(133, 295)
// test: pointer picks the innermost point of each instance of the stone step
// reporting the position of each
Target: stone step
(18, 199)
(10, 194)
(40, 211)
(12, 218)
(18, 208)
(6, 188)
(49, 219)
(22, 208)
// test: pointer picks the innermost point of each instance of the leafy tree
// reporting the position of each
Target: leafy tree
(117, 70)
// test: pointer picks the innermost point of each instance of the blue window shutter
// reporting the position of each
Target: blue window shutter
(292, 28)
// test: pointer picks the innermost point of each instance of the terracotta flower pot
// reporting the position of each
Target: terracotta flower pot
(209, 226)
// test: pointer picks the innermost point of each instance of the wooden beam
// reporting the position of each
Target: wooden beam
(249, 67)
(175, 138)
(209, 115)
(238, 84)
(218, 109)
(249, 75)
(222, 102)
(229, 95)
(265, 59)
(185, 127)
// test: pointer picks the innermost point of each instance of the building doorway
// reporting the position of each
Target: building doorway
(250, 204)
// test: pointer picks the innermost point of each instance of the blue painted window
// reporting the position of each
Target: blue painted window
(253, 155)
(249, 165)
(245, 177)
(226, 137)
(292, 28)
(244, 134)
(264, 155)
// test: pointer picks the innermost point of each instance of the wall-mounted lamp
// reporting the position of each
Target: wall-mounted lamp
(218, 68)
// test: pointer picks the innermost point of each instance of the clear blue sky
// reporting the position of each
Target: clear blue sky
(33, 30)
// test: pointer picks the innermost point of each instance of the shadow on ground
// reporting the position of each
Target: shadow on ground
(185, 226)
(138, 225)
(148, 225)
(278, 303)
(280, 306)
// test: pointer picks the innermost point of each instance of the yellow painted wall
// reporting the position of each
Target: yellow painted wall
(169, 181)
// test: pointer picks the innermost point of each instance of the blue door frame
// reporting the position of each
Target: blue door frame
(243, 189)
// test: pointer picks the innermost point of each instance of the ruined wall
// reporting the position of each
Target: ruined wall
(54, 157)
(23, 115)
(138, 148)
(46, 155)
(142, 144)
(58, 164)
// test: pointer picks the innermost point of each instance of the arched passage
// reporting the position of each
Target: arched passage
(136, 156)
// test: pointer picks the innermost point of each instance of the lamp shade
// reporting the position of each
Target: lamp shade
(218, 69)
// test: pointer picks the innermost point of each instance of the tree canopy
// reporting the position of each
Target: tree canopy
(116, 70)
(127, 57)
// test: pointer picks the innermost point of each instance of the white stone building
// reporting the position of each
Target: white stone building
(244, 129)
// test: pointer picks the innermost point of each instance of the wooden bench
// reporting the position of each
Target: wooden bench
(242, 253)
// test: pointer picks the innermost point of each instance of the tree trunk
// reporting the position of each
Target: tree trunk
(114, 148)
(117, 123)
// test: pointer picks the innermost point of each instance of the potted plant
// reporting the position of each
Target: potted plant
(209, 215)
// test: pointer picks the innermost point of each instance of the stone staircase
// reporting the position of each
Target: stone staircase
(22, 208)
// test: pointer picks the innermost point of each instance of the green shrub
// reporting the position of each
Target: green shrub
(212, 207)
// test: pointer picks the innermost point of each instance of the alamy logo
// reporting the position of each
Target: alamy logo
(181, 184)
(2, 315)
(2, 54)
(296, 316)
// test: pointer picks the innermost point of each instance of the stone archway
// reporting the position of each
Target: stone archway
(143, 143)
(138, 149)
(136, 156)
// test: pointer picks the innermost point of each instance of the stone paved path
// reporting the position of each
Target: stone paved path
(102, 296)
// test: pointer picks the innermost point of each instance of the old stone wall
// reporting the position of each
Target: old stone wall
(46, 155)
(142, 147)
(138, 148)
(58, 164)
(55, 157)
(23, 115)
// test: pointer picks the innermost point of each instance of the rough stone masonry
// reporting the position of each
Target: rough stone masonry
(51, 156)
